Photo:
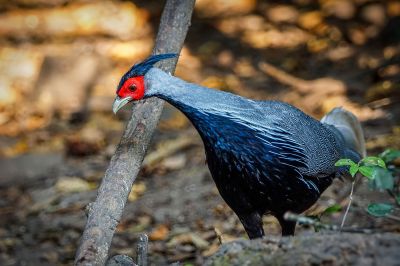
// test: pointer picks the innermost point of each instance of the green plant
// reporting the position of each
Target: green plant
(382, 175)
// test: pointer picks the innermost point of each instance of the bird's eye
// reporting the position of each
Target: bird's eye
(132, 87)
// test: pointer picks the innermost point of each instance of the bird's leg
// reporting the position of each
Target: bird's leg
(252, 223)
(288, 227)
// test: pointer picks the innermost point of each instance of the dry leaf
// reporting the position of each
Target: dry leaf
(211, 250)
(72, 184)
(188, 238)
(137, 190)
(159, 233)
(310, 20)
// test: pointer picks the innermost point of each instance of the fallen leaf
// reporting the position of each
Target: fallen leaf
(218, 8)
(188, 238)
(72, 184)
(310, 20)
(159, 233)
(165, 149)
(211, 250)
(198, 241)
(175, 162)
(137, 190)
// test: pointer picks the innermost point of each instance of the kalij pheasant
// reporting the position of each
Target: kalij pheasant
(266, 157)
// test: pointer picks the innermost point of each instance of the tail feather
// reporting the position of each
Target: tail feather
(350, 128)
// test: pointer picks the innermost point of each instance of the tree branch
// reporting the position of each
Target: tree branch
(348, 205)
(105, 213)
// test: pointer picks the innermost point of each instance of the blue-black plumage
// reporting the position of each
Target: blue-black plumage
(264, 156)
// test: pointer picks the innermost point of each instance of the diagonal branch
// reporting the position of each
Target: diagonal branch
(105, 213)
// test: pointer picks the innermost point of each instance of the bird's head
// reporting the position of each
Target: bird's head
(132, 87)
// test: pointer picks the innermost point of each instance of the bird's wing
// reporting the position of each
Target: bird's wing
(284, 136)
(279, 152)
(293, 139)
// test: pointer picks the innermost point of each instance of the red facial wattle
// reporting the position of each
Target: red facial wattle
(132, 87)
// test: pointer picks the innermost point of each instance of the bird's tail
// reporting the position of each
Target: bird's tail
(350, 128)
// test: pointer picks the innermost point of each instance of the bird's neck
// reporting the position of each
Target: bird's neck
(187, 97)
(203, 106)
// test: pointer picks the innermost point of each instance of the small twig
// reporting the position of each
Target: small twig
(168, 148)
(331, 227)
(395, 218)
(325, 85)
(142, 250)
(219, 235)
(348, 206)
(309, 221)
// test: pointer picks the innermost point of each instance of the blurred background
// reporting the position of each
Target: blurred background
(60, 63)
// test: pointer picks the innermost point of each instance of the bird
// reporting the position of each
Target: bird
(265, 157)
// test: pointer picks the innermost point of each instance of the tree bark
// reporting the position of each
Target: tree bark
(105, 213)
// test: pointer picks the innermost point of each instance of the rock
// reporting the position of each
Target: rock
(121, 260)
(315, 249)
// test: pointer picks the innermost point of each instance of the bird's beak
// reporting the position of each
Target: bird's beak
(119, 103)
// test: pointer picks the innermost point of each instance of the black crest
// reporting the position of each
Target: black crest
(140, 69)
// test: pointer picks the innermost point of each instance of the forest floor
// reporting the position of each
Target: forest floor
(52, 157)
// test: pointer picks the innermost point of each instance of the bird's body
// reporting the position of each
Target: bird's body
(264, 156)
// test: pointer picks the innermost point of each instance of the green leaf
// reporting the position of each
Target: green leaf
(379, 209)
(381, 163)
(332, 209)
(373, 161)
(367, 171)
(390, 155)
(345, 162)
(353, 170)
(382, 179)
